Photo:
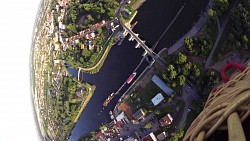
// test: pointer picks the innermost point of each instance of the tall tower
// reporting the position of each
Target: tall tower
(227, 106)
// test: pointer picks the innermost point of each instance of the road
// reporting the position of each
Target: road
(189, 96)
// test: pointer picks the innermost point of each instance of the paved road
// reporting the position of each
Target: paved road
(189, 96)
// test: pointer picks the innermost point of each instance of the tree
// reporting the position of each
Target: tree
(178, 135)
(212, 13)
(148, 125)
(99, 30)
(244, 39)
(86, 53)
(220, 6)
(189, 44)
(231, 37)
(72, 28)
(103, 127)
(90, 18)
(181, 58)
(182, 80)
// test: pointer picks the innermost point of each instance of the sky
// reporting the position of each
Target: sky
(17, 121)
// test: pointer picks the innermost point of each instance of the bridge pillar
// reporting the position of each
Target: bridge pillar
(131, 38)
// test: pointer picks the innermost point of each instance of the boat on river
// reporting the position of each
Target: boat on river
(110, 97)
(131, 77)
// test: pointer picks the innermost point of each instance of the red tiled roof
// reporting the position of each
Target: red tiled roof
(127, 110)
(147, 138)
(165, 121)
(98, 134)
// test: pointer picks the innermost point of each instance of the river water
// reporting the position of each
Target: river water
(153, 17)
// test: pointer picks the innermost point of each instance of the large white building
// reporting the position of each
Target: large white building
(162, 85)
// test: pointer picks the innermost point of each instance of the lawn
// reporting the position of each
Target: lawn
(160, 113)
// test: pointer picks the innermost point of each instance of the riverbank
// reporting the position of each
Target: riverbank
(84, 104)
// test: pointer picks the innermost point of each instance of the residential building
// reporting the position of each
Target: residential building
(166, 120)
(91, 47)
(82, 46)
(139, 114)
(131, 139)
(122, 119)
(127, 110)
(100, 136)
(162, 136)
(149, 137)
(162, 85)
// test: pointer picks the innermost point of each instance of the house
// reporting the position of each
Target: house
(57, 47)
(166, 120)
(162, 85)
(162, 136)
(92, 35)
(82, 46)
(110, 25)
(149, 137)
(139, 114)
(61, 25)
(56, 61)
(126, 13)
(128, 1)
(130, 139)
(91, 47)
(102, 23)
(122, 118)
(100, 136)
(157, 99)
(127, 110)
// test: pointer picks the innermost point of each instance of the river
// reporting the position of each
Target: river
(153, 17)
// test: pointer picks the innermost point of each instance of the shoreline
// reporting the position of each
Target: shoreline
(84, 104)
